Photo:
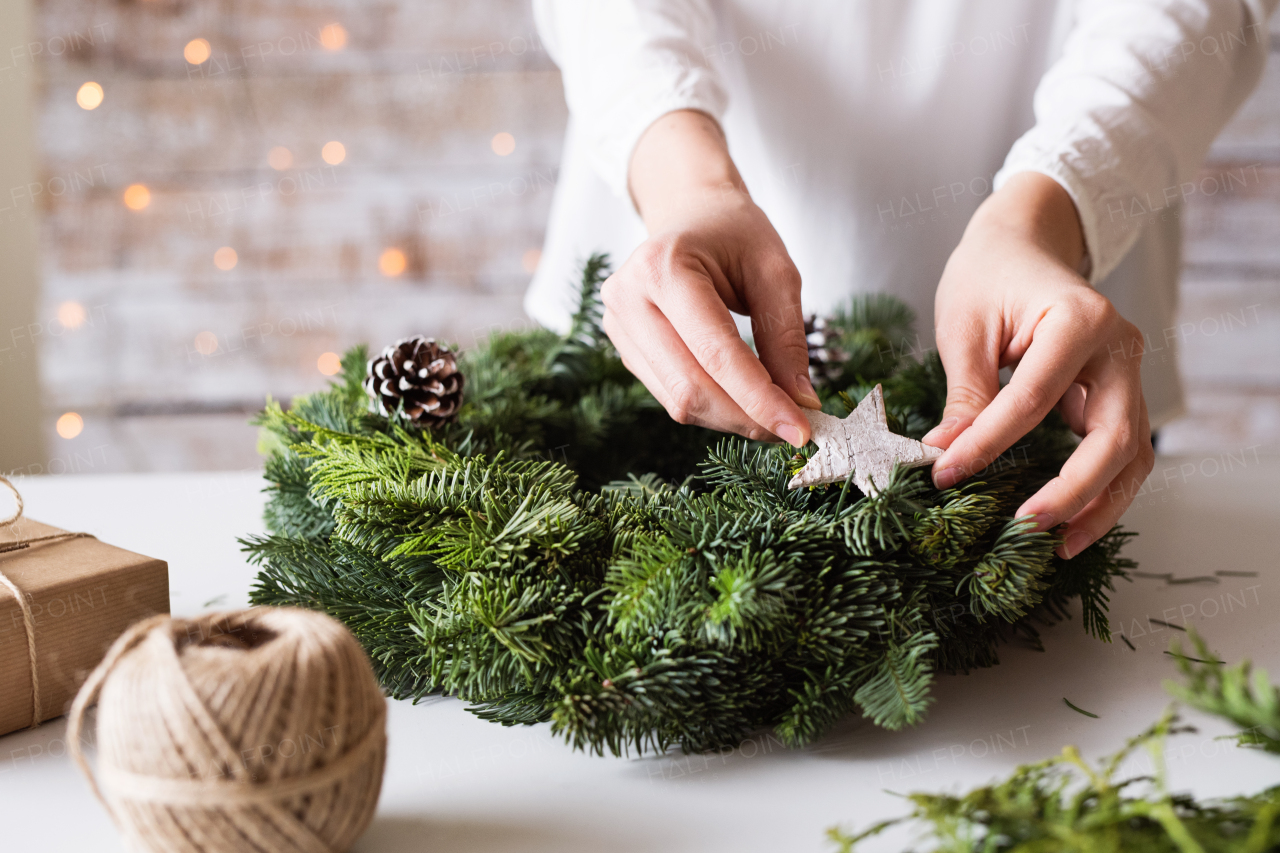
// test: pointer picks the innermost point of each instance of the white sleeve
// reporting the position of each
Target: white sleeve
(1125, 116)
(626, 63)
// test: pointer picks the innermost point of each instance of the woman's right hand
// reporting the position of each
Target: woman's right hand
(710, 251)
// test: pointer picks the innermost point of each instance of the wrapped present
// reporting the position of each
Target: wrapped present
(64, 599)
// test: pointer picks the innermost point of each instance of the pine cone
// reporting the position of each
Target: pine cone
(824, 355)
(420, 373)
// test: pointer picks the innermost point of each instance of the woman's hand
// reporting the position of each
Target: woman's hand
(1010, 295)
(711, 250)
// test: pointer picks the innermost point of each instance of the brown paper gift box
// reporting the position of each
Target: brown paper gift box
(83, 594)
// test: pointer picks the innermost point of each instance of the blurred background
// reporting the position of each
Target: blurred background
(204, 203)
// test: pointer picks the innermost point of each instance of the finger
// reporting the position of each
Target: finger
(969, 350)
(704, 324)
(1071, 407)
(1048, 368)
(1102, 513)
(1112, 440)
(777, 326)
(667, 368)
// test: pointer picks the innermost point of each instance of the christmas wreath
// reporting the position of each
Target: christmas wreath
(555, 547)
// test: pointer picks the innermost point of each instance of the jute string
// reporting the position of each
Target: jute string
(24, 601)
(261, 730)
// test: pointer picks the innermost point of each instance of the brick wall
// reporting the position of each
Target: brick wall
(162, 354)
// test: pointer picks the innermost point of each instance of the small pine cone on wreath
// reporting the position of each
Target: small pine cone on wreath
(419, 374)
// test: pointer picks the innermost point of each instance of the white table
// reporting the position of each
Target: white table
(454, 782)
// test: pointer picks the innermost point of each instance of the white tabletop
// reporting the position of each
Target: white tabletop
(454, 782)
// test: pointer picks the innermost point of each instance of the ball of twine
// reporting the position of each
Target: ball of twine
(259, 730)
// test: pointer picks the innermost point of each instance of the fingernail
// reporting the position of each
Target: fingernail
(1043, 521)
(938, 431)
(1075, 543)
(947, 477)
(804, 391)
(788, 433)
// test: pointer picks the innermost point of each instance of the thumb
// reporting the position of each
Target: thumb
(973, 380)
(777, 327)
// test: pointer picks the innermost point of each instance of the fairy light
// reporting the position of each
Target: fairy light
(206, 343)
(89, 95)
(503, 144)
(333, 37)
(329, 363)
(280, 158)
(333, 152)
(71, 315)
(392, 262)
(70, 425)
(225, 258)
(137, 196)
(197, 51)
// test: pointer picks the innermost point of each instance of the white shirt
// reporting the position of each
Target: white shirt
(869, 131)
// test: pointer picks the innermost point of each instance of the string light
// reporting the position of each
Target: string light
(197, 51)
(137, 196)
(71, 315)
(70, 425)
(503, 144)
(206, 343)
(529, 260)
(333, 37)
(280, 158)
(225, 258)
(329, 363)
(392, 263)
(89, 95)
(333, 153)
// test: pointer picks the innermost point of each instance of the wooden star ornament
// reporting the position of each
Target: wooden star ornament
(860, 443)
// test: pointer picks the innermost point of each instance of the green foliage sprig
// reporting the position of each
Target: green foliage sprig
(565, 552)
(1063, 805)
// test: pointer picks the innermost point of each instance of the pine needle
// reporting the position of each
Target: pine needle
(1078, 710)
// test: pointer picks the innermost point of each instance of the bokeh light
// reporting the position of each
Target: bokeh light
(70, 425)
(334, 37)
(329, 363)
(197, 51)
(333, 153)
(71, 314)
(89, 96)
(206, 343)
(225, 258)
(137, 196)
(503, 144)
(392, 262)
(529, 260)
(280, 158)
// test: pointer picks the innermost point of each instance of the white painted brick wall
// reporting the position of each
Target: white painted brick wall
(416, 95)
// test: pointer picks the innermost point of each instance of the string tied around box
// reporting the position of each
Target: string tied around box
(24, 602)
(260, 730)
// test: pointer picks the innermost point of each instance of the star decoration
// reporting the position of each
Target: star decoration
(862, 443)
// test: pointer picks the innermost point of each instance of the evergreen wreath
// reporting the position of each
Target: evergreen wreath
(564, 551)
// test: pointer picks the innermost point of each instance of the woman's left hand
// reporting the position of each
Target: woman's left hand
(1010, 295)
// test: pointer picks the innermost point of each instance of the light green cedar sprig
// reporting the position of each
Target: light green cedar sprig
(565, 552)
(1239, 693)
(1063, 805)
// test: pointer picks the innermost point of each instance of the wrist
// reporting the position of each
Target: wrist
(1034, 208)
(681, 165)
